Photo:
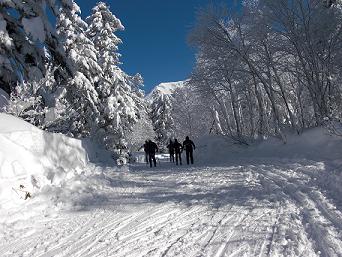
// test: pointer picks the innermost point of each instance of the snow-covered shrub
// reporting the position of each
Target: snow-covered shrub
(26, 102)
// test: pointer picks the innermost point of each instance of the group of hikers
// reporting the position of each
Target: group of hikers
(175, 150)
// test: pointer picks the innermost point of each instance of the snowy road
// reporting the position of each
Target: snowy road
(259, 208)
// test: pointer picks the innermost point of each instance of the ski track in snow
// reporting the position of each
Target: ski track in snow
(259, 209)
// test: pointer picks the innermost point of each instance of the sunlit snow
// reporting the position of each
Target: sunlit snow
(275, 200)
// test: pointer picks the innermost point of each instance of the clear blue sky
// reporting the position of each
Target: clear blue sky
(154, 40)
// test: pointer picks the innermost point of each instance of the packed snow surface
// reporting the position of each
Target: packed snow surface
(234, 201)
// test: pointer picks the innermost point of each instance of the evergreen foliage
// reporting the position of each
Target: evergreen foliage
(120, 97)
(66, 78)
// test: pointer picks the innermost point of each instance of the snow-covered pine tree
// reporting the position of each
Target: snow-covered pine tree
(121, 109)
(33, 64)
(103, 25)
(81, 92)
(7, 76)
(24, 32)
(19, 56)
(120, 96)
(161, 116)
(58, 109)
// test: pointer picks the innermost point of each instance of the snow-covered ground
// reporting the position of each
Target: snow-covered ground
(267, 200)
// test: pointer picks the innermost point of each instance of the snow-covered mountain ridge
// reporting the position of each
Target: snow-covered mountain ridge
(166, 88)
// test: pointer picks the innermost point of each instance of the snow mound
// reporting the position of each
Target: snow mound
(214, 148)
(314, 144)
(165, 89)
(31, 160)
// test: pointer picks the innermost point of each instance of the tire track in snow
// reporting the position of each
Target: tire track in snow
(312, 194)
(325, 240)
(224, 221)
(333, 216)
(245, 247)
(151, 213)
(271, 239)
(149, 239)
(170, 228)
(127, 238)
(83, 240)
(171, 245)
(32, 244)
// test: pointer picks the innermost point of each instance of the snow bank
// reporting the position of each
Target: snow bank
(32, 160)
(314, 144)
(212, 149)
(97, 153)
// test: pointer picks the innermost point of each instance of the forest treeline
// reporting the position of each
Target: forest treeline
(270, 67)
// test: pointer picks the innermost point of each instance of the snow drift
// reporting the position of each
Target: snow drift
(33, 159)
(314, 144)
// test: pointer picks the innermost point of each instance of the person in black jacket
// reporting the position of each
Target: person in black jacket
(145, 146)
(171, 148)
(189, 147)
(178, 151)
(152, 148)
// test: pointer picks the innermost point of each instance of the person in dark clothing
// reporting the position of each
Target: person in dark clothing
(152, 148)
(171, 151)
(145, 146)
(178, 151)
(189, 147)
